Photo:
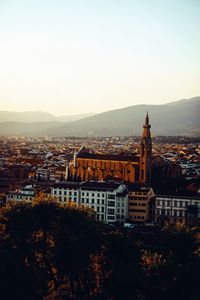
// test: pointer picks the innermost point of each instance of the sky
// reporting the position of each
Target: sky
(78, 56)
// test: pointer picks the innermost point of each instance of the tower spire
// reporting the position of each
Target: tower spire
(146, 123)
(145, 153)
(147, 119)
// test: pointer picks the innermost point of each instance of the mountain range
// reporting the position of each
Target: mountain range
(38, 116)
(176, 118)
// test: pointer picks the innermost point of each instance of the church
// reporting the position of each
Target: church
(130, 168)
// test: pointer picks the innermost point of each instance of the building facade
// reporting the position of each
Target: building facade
(173, 209)
(26, 193)
(108, 200)
(88, 166)
(141, 204)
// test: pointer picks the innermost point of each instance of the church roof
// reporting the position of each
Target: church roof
(113, 157)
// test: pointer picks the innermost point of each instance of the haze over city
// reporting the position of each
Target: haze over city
(70, 57)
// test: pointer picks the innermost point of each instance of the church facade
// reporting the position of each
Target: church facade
(128, 168)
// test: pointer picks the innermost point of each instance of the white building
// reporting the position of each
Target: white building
(43, 174)
(24, 194)
(108, 200)
(177, 208)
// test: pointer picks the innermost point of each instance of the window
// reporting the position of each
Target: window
(92, 194)
(103, 195)
(98, 208)
(74, 193)
(111, 211)
(111, 203)
(92, 201)
(110, 217)
(60, 192)
(98, 201)
(138, 210)
(98, 195)
(102, 202)
(55, 192)
(70, 193)
(175, 203)
(87, 200)
(87, 194)
(102, 209)
(82, 193)
(65, 193)
(111, 196)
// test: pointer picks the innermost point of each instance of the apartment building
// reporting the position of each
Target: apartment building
(24, 194)
(141, 204)
(109, 200)
(43, 174)
(174, 209)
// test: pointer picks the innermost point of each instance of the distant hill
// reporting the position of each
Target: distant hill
(29, 129)
(177, 118)
(38, 116)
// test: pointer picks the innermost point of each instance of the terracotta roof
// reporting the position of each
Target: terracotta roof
(108, 157)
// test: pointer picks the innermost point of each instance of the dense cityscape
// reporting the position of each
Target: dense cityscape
(113, 198)
(99, 150)
(29, 166)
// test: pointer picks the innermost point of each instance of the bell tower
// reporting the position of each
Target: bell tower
(145, 153)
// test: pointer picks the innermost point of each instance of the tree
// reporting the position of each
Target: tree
(51, 251)
(47, 249)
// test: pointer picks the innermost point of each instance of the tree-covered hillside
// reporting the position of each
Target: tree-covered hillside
(54, 251)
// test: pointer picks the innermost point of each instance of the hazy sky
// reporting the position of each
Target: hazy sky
(74, 56)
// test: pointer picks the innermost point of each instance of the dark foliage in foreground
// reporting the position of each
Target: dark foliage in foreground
(49, 251)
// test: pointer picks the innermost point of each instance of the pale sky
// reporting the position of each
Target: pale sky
(76, 56)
